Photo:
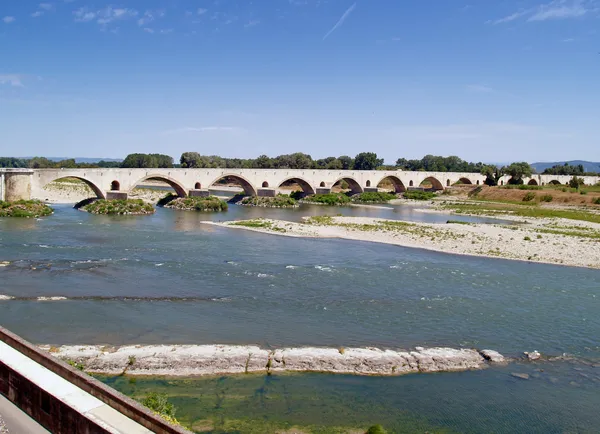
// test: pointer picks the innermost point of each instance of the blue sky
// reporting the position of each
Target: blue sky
(486, 80)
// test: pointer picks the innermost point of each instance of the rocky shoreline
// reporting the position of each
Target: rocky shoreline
(205, 360)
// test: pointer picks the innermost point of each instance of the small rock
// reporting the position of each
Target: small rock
(521, 376)
(534, 355)
(492, 356)
(574, 384)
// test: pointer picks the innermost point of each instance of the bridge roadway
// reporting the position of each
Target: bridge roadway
(118, 183)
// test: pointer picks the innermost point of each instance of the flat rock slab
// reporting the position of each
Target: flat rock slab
(196, 360)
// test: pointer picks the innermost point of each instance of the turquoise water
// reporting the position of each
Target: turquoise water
(167, 278)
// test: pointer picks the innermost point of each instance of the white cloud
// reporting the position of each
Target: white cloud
(560, 9)
(554, 10)
(14, 80)
(340, 21)
(201, 11)
(252, 23)
(104, 16)
(37, 14)
(479, 88)
(45, 6)
(8, 19)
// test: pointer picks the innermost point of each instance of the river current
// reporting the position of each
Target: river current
(168, 278)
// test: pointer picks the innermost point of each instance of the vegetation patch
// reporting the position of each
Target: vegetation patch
(119, 207)
(259, 224)
(204, 204)
(160, 405)
(24, 208)
(374, 197)
(331, 199)
(419, 195)
(529, 197)
(279, 201)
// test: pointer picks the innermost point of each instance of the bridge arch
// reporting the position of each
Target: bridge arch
(435, 183)
(554, 182)
(532, 182)
(115, 185)
(304, 185)
(466, 181)
(355, 187)
(97, 191)
(395, 181)
(179, 189)
(249, 189)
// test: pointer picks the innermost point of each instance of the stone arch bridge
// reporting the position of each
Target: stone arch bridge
(118, 183)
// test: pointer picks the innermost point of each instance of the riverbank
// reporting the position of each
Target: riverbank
(200, 360)
(24, 209)
(552, 241)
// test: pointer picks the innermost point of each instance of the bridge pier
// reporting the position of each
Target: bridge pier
(322, 190)
(371, 190)
(199, 193)
(266, 192)
(116, 195)
(15, 184)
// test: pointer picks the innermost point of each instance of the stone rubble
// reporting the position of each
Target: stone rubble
(196, 360)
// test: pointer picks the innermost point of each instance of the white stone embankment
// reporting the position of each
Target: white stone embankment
(198, 360)
(533, 242)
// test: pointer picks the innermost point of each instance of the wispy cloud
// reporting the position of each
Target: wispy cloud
(104, 16)
(8, 19)
(202, 129)
(15, 80)
(340, 21)
(479, 88)
(554, 10)
(560, 9)
(252, 23)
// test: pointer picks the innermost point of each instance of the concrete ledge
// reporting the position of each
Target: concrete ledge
(322, 190)
(266, 192)
(116, 195)
(52, 385)
(199, 193)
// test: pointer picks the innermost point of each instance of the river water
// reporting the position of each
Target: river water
(168, 278)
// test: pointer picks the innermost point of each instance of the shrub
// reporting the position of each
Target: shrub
(194, 203)
(24, 208)
(576, 182)
(597, 201)
(419, 195)
(159, 404)
(374, 197)
(119, 207)
(297, 195)
(529, 197)
(331, 199)
(376, 429)
(280, 201)
(546, 198)
(583, 192)
(527, 239)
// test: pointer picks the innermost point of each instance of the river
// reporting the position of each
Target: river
(168, 278)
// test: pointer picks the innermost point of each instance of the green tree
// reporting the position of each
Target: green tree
(367, 161)
(347, 162)
(492, 174)
(576, 182)
(190, 160)
(517, 172)
(41, 163)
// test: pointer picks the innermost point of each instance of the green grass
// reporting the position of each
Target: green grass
(119, 207)
(374, 197)
(258, 224)
(24, 209)
(279, 201)
(194, 203)
(419, 195)
(331, 199)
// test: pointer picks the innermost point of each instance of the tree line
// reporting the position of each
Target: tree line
(569, 170)
(45, 163)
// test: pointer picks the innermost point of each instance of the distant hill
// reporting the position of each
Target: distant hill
(78, 159)
(588, 166)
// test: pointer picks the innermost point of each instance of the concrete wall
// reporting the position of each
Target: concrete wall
(17, 185)
(65, 400)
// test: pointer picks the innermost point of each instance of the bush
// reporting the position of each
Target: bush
(297, 195)
(159, 404)
(596, 201)
(419, 195)
(280, 201)
(24, 208)
(119, 207)
(529, 197)
(330, 199)
(374, 197)
(194, 203)
(546, 198)
(376, 429)
(576, 182)
(583, 192)
(527, 239)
